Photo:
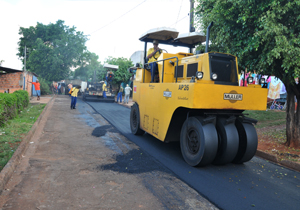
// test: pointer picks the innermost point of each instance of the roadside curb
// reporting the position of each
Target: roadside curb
(9, 168)
(289, 164)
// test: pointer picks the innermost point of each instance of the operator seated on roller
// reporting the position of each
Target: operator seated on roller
(152, 56)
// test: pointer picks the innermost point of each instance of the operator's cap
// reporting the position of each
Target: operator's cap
(155, 41)
(37, 80)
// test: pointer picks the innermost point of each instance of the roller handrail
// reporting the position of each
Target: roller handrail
(162, 80)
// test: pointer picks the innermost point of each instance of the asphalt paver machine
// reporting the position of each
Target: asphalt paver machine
(196, 100)
(95, 91)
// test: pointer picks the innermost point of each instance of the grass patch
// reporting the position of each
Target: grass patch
(15, 130)
(266, 116)
(270, 123)
(270, 118)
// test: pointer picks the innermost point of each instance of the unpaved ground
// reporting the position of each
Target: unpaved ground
(274, 145)
(76, 160)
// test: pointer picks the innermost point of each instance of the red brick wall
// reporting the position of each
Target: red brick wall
(11, 81)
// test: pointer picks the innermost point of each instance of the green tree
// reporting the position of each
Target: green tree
(122, 74)
(88, 64)
(1, 61)
(264, 35)
(45, 87)
(52, 50)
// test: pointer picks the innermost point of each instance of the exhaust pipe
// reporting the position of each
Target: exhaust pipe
(207, 36)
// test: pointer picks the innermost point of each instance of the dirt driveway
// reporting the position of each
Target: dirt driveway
(76, 160)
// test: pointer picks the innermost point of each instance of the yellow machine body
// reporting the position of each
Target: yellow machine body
(159, 101)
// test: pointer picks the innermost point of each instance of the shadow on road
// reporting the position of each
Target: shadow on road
(133, 162)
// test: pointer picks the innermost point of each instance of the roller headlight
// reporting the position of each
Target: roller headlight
(214, 76)
(262, 81)
(250, 80)
(199, 75)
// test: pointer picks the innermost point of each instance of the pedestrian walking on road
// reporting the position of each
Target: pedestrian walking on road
(120, 93)
(127, 93)
(37, 88)
(74, 94)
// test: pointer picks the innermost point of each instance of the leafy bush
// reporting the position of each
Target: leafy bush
(11, 104)
(22, 99)
(45, 88)
(8, 104)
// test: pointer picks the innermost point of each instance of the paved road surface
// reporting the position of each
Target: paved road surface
(257, 184)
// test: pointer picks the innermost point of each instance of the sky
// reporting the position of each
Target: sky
(113, 26)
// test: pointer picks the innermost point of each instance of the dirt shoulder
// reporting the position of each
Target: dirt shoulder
(77, 160)
(271, 147)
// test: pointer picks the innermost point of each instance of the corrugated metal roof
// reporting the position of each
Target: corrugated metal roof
(8, 70)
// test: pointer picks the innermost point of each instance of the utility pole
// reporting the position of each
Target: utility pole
(25, 60)
(25, 74)
(192, 29)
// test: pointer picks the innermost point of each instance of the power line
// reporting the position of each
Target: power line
(118, 17)
(178, 21)
(178, 13)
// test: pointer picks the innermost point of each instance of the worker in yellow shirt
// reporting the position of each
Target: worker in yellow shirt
(74, 93)
(152, 55)
(104, 88)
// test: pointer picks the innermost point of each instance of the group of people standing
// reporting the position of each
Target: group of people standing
(73, 91)
(57, 88)
(127, 94)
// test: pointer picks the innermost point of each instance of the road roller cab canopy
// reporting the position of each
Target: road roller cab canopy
(110, 66)
(169, 36)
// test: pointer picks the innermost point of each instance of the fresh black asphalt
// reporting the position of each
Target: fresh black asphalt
(257, 184)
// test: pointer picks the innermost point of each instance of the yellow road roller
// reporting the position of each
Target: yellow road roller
(196, 99)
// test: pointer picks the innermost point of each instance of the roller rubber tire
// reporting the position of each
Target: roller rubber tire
(198, 143)
(248, 142)
(228, 142)
(135, 120)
